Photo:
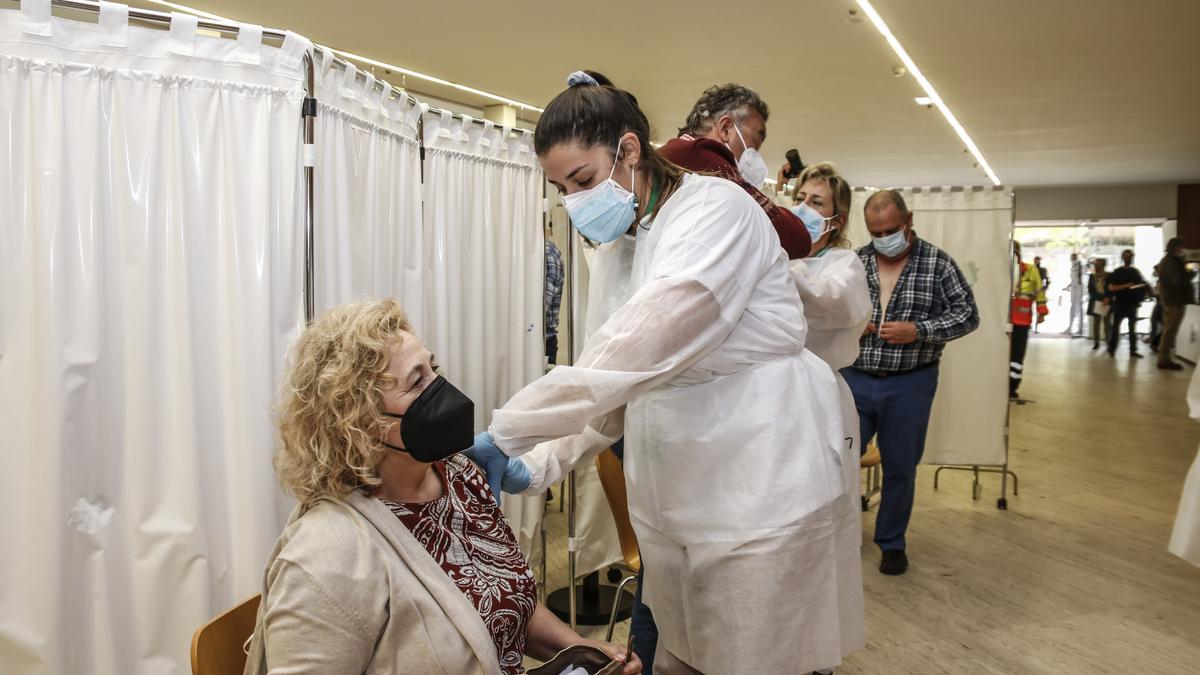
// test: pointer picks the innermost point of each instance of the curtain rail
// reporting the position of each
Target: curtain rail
(400, 93)
(164, 17)
(224, 27)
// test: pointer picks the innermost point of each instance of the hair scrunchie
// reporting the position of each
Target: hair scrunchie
(580, 78)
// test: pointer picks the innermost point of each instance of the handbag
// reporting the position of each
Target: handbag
(591, 660)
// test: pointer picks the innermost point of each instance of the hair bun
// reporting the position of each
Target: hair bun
(580, 78)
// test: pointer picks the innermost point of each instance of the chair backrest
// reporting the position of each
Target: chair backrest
(612, 478)
(217, 646)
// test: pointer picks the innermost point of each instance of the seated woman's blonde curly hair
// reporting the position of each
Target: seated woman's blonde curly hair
(329, 413)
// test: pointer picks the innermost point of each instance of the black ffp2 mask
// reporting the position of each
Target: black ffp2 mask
(440, 423)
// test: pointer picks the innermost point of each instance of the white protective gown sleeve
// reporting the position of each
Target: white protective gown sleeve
(1185, 538)
(692, 298)
(837, 304)
(549, 462)
(610, 285)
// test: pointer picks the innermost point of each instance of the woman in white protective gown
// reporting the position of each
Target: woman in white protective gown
(837, 305)
(733, 432)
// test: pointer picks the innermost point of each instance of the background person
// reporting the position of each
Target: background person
(1028, 292)
(1175, 294)
(552, 298)
(1075, 287)
(920, 301)
(722, 135)
(1045, 276)
(1098, 307)
(1126, 290)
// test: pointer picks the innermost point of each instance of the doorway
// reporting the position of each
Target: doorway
(1054, 244)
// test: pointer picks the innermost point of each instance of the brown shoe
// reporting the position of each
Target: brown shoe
(1169, 365)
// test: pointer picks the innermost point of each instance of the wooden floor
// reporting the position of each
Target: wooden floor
(1075, 576)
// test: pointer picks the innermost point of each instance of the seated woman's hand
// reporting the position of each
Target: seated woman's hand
(633, 665)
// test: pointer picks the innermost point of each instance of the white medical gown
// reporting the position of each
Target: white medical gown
(837, 306)
(732, 463)
(610, 285)
(1185, 539)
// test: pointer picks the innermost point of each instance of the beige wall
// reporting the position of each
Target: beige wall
(1096, 202)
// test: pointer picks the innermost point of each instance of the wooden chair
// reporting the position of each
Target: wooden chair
(218, 646)
(612, 478)
(870, 462)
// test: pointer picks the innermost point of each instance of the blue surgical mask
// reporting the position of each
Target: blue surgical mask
(813, 221)
(891, 245)
(604, 212)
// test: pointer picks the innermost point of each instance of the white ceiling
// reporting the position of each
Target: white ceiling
(1054, 92)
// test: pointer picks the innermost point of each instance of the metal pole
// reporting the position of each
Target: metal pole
(310, 116)
(1002, 502)
(572, 544)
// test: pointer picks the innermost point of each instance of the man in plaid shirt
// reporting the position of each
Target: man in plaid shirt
(553, 298)
(922, 301)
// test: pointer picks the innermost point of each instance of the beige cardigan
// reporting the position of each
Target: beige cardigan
(349, 590)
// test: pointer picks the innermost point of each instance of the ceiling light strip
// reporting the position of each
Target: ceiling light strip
(373, 62)
(929, 90)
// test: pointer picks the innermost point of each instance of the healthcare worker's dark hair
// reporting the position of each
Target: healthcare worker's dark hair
(599, 114)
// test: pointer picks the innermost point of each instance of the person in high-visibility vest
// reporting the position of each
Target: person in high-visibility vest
(1027, 292)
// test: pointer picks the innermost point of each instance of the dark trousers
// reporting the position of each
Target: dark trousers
(895, 411)
(1016, 357)
(641, 624)
(552, 349)
(1156, 325)
(1172, 320)
(1101, 327)
(1123, 313)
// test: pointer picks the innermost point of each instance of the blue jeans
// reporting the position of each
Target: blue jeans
(641, 624)
(895, 410)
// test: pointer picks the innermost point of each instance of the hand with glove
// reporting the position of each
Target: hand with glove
(503, 472)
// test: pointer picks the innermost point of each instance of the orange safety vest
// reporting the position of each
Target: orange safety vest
(1029, 291)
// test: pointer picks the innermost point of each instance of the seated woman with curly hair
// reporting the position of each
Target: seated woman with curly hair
(397, 558)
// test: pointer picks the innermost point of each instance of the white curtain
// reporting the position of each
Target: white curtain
(974, 226)
(484, 270)
(368, 238)
(150, 279)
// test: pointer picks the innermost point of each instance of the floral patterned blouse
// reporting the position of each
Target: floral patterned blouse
(468, 536)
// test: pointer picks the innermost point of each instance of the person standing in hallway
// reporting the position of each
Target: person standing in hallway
(1126, 288)
(1098, 307)
(1075, 287)
(1045, 277)
(553, 298)
(1175, 294)
(921, 301)
(1028, 291)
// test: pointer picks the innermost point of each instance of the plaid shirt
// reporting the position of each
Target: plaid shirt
(553, 287)
(930, 292)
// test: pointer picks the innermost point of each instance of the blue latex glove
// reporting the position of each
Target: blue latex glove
(490, 460)
(516, 477)
(503, 473)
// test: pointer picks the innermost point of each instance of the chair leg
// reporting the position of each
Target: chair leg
(612, 618)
